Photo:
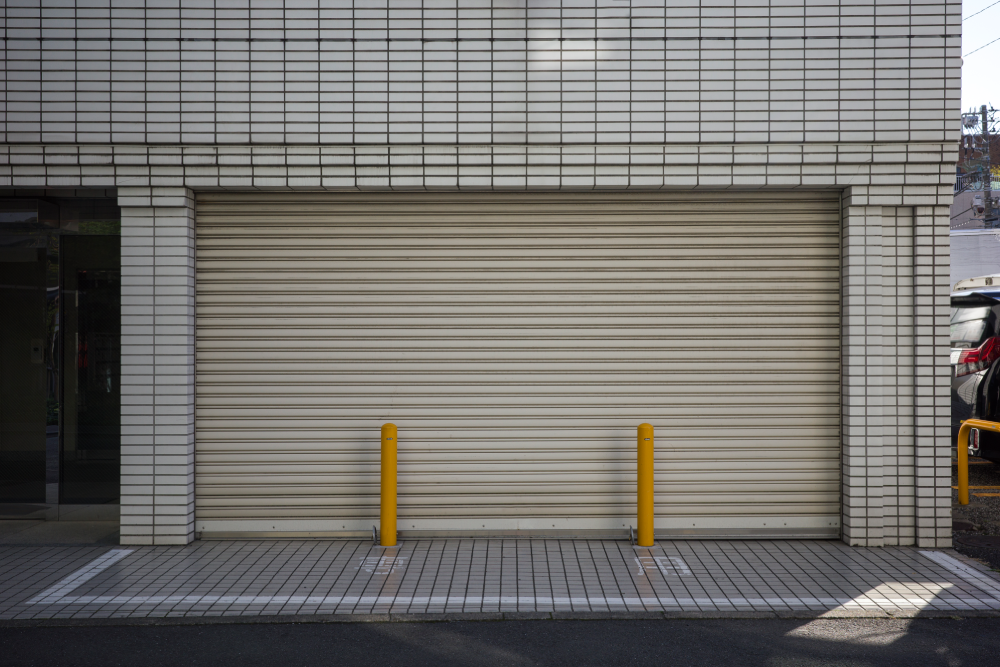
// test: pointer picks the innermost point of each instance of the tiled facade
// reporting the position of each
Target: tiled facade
(161, 100)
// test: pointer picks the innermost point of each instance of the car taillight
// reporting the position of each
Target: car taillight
(979, 359)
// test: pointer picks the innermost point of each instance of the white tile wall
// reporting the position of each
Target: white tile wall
(479, 71)
(163, 99)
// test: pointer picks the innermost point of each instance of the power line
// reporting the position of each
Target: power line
(981, 47)
(980, 11)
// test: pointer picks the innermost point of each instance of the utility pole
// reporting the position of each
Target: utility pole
(989, 215)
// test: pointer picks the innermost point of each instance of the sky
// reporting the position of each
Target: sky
(980, 71)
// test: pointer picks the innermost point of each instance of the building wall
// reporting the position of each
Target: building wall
(975, 252)
(162, 100)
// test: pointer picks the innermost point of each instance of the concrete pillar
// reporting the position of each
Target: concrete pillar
(157, 478)
(861, 373)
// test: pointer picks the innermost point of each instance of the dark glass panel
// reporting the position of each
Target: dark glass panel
(23, 376)
(91, 458)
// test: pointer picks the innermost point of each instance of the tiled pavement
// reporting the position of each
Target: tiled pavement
(259, 578)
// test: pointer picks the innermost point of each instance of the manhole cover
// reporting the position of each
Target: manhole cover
(980, 541)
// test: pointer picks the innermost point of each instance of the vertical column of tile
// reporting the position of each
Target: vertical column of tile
(405, 73)
(897, 351)
(439, 71)
(22, 65)
(613, 56)
(128, 73)
(890, 415)
(505, 106)
(717, 74)
(861, 371)
(648, 90)
(163, 73)
(578, 67)
(268, 94)
(232, 74)
(932, 381)
(157, 365)
(544, 74)
(93, 71)
(302, 76)
(822, 73)
(57, 74)
(173, 520)
(197, 69)
(371, 73)
(137, 366)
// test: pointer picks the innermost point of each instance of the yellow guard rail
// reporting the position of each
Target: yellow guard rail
(963, 453)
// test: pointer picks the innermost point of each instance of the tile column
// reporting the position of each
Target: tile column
(898, 457)
(861, 371)
(932, 375)
(157, 476)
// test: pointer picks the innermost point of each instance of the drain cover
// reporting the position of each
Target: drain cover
(962, 525)
(980, 541)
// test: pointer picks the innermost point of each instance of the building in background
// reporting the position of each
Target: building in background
(975, 205)
(975, 239)
(515, 229)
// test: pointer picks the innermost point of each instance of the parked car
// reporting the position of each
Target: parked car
(975, 373)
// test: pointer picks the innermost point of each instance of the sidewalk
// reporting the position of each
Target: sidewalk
(553, 578)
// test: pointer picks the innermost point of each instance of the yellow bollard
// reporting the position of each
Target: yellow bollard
(387, 515)
(645, 485)
(963, 464)
(963, 453)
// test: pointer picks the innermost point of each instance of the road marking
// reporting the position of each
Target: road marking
(382, 564)
(986, 495)
(667, 565)
(997, 488)
(87, 572)
(978, 579)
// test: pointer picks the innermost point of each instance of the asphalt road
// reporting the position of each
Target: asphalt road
(981, 517)
(778, 643)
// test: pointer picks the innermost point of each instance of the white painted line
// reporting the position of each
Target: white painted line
(884, 597)
(53, 594)
(975, 577)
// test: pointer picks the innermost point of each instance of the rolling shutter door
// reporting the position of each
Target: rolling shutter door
(517, 341)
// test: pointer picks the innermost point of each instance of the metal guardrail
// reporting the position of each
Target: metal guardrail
(974, 181)
(963, 453)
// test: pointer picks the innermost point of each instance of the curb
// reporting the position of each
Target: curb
(495, 616)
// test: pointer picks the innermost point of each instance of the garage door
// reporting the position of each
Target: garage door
(517, 341)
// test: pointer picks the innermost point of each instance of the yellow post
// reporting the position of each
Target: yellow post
(963, 453)
(963, 463)
(645, 485)
(387, 514)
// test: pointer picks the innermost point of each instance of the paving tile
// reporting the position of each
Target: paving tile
(473, 576)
